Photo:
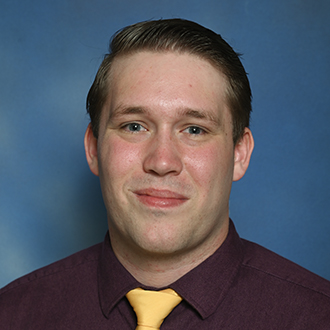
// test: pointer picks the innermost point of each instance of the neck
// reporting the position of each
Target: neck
(161, 270)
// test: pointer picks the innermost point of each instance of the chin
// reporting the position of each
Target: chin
(161, 244)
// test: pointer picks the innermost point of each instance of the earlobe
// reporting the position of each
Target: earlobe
(242, 154)
(90, 142)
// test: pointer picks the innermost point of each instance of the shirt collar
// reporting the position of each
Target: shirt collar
(204, 287)
(114, 281)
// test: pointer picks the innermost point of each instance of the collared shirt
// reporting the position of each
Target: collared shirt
(241, 286)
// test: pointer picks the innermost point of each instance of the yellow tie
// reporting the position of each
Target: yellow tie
(151, 307)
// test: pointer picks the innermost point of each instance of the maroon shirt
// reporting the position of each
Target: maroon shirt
(241, 286)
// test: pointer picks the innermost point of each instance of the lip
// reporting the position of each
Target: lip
(161, 198)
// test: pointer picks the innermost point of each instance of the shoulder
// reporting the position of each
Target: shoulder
(285, 289)
(57, 270)
(279, 292)
(62, 287)
(271, 265)
(63, 280)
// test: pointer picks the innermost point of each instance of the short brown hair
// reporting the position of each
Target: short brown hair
(181, 36)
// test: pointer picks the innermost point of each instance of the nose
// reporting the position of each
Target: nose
(163, 157)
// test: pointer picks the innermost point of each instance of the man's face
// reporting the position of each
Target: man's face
(165, 153)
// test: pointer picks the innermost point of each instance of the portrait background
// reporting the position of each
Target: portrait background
(50, 203)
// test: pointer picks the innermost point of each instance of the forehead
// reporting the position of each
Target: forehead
(166, 79)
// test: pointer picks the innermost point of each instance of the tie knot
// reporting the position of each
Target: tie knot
(151, 307)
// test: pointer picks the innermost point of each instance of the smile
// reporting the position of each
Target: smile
(160, 198)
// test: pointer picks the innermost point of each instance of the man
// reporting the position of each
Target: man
(169, 108)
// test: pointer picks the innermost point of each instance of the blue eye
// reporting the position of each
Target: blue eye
(195, 130)
(134, 127)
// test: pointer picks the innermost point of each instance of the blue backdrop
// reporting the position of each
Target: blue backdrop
(50, 204)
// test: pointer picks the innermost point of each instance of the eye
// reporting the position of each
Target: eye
(194, 130)
(134, 127)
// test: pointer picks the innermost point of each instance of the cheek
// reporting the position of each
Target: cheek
(118, 158)
(210, 167)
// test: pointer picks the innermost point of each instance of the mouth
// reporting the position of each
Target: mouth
(160, 198)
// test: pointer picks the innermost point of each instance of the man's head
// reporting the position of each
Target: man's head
(179, 36)
(164, 150)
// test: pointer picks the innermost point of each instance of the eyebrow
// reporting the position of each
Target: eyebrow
(185, 112)
(200, 114)
(122, 111)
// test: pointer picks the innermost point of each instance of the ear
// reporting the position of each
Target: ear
(90, 142)
(242, 153)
